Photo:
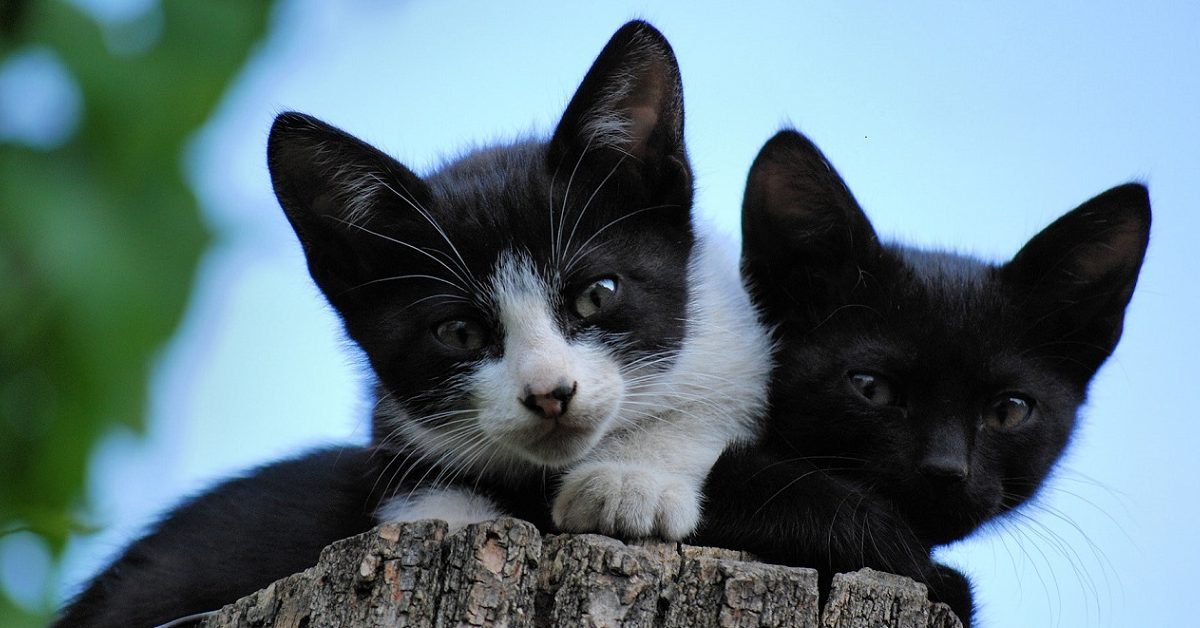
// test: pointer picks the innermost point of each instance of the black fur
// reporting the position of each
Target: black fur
(232, 540)
(877, 474)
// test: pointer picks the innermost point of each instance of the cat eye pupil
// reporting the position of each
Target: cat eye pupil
(461, 334)
(597, 296)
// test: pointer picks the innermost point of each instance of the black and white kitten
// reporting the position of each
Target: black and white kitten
(918, 394)
(551, 337)
(538, 306)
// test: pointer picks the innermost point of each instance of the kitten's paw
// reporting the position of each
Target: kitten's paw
(627, 501)
(952, 588)
(458, 507)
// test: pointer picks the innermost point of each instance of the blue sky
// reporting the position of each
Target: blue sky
(961, 125)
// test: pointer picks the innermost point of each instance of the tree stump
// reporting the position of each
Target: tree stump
(504, 573)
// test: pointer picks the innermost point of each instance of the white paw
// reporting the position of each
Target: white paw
(627, 501)
(458, 507)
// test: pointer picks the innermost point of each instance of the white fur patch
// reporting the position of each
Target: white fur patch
(535, 352)
(457, 506)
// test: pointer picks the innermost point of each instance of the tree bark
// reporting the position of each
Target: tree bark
(505, 573)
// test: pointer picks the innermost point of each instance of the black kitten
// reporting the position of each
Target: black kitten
(918, 394)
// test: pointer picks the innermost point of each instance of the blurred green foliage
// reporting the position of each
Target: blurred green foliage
(99, 241)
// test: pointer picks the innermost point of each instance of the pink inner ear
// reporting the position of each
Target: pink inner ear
(641, 106)
(642, 121)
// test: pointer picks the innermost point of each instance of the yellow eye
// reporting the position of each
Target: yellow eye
(875, 388)
(595, 297)
(465, 335)
(1008, 411)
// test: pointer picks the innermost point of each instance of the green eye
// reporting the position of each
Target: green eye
(464, 335)
(875, 388)
(1008, 411)
(595, 298)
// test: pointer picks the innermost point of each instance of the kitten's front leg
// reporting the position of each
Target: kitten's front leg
(786, 509)
(641, 484)
(621, 498)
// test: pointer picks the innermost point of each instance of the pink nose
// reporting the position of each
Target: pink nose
(552, 404)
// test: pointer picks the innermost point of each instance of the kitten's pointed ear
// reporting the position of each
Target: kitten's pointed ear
(805, 240)
(340, 195)
(629, 108)
(1078, 274)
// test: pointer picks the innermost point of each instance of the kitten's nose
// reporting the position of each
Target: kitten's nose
(550, 405)
(947, 456)
(949, 469)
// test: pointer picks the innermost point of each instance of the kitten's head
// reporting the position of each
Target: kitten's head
(509, 301)
(947, 384)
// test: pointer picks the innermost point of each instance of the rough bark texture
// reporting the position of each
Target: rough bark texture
(504, 573)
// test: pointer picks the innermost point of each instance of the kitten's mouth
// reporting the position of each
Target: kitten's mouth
(560, 444)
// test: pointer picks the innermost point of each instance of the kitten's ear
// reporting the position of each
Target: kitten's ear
(1078, 274)
(341, 195)
(629, 111)
(805, 240)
